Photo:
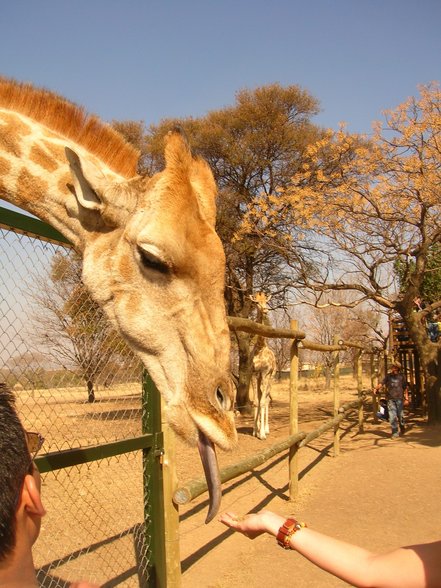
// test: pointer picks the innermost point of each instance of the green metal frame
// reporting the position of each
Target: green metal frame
(29, 225)
(72, 457)
(151, 442)
(153, 484)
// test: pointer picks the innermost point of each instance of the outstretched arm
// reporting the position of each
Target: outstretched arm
(414, 566)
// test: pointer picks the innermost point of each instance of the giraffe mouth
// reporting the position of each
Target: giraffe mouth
(207, 452)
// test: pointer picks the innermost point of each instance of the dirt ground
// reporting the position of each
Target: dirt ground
(379, 493)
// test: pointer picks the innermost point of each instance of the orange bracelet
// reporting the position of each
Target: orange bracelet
(287, 530)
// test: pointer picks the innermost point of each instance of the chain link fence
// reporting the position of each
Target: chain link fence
(78, 384)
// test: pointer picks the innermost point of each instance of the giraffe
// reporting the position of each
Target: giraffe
(264, 366)
(151, 257)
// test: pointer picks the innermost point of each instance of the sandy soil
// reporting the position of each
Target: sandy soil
(379, 493)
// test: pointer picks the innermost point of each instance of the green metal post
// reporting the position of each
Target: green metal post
(153, 493)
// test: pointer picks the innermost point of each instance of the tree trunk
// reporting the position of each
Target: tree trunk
(433, 387)
(90, 390)
(245, 373)
(327, 377)
(430, 359)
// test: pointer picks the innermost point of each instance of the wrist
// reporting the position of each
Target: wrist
(272, 522)
(287, 531)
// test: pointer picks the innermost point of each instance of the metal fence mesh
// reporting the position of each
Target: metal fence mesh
(78, 385)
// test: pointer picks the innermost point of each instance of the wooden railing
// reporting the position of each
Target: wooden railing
(296, 439)
(198, 486)
(294, 442)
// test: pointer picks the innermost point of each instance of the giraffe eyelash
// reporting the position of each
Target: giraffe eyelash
(151, 261)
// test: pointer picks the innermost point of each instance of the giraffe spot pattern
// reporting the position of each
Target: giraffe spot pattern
(3, 190)
(30, 188)
(56, 150)
(12, 132)
(41, 158)
(5, 166)
(63, 182)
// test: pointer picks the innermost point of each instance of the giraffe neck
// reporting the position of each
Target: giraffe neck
(35, 127)
(263, 319)
(34, 173)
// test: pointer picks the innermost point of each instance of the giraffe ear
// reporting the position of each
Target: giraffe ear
(179, 160)
(88, 180)
(203, 182)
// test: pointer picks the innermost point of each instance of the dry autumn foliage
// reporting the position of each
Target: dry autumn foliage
(361, 205)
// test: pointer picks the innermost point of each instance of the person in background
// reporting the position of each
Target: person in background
(21, 508)
(397, 395)
(434, 327)
(419, 304)
(414, 566)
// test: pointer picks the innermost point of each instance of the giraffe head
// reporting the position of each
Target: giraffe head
(261, 300)
(153, 261)
(152, 258)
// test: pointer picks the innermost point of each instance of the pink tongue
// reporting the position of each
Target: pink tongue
(211, 470)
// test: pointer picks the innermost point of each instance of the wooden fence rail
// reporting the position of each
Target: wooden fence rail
(296, 439)
(198, 486)
(248, 326)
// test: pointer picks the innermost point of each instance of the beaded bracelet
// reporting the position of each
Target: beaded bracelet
(287, 530)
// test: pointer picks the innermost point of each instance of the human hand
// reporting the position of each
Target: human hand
(253, 525)
(83, 585)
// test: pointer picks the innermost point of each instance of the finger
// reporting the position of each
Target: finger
(226, 516)
(229, 514)
(231, 517)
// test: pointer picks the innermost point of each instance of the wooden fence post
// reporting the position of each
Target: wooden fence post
(374, 382)
(294, 415)
(360, 390)
(336, 395)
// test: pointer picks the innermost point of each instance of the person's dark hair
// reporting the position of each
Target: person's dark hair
(14, 465)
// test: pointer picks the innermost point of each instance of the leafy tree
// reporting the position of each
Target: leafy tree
(366, 206)
(73, 328)
(135, 133)
(431, 284)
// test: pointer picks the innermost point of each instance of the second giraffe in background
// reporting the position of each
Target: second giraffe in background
(264, 366)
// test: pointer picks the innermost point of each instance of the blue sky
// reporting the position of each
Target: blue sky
(153, 59)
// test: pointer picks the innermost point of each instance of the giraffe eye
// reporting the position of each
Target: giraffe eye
(222, 399)
(152, 262)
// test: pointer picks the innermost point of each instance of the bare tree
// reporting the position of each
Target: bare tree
(336, 319)
(72, 329)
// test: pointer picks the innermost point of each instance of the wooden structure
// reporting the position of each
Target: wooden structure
(402, 348)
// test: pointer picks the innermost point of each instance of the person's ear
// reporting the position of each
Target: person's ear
(31, 498)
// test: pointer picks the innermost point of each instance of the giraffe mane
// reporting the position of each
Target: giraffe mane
(71, 121)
